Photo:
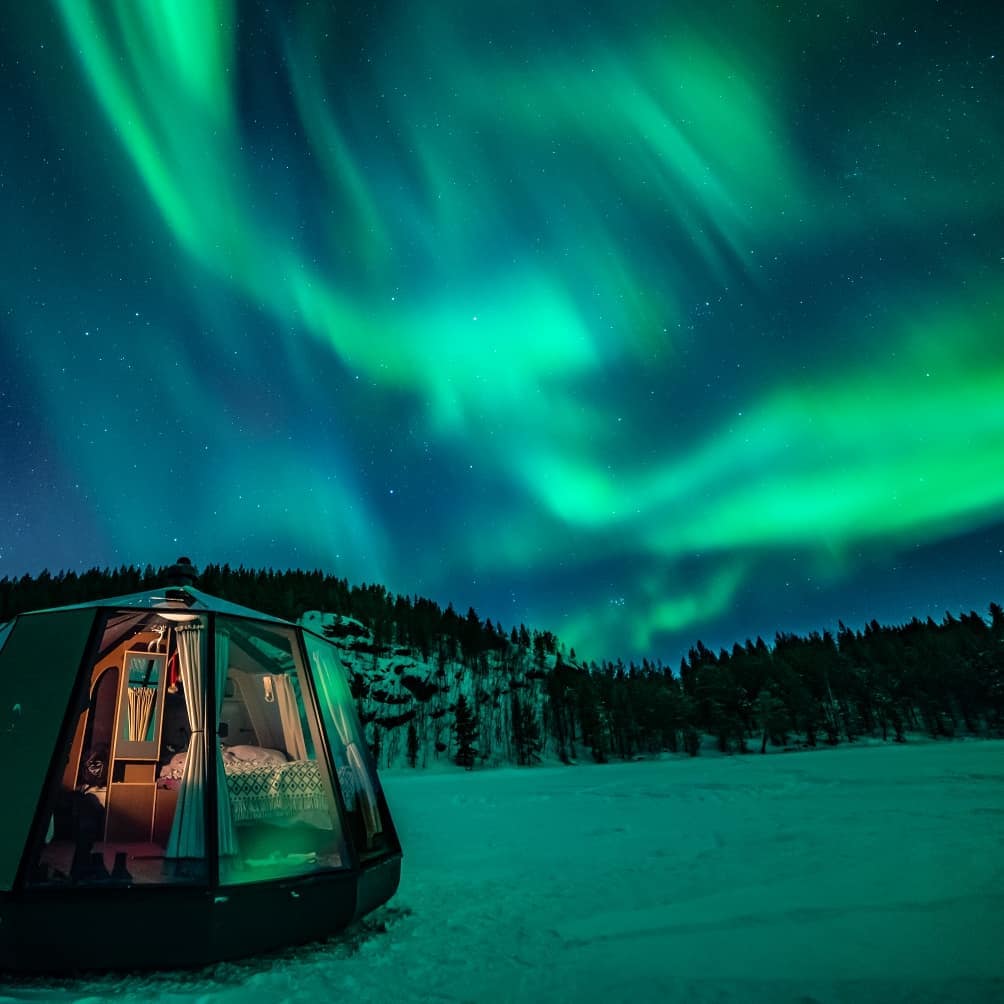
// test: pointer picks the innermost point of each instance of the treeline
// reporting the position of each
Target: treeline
(412, 621)
(479, 693)
(939, 678)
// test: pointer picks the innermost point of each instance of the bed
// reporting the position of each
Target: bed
(264, 785)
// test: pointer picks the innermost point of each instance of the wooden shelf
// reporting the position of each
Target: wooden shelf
(163, 814)
(132, 790)
(129, 812)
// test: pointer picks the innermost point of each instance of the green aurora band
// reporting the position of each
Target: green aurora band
(644, 287)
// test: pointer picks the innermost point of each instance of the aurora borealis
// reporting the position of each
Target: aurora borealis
(642, 323)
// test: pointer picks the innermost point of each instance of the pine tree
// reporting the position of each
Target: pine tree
(771, 715)
(516, 720)
(525, 732)
(530, 729)
(465, 728)
(412, 745)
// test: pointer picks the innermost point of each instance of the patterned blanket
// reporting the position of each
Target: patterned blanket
(262, 790)
(267, 791)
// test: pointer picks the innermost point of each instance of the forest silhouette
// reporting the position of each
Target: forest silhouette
(487, 694)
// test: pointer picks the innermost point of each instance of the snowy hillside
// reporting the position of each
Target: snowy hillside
(526, 701)
(396, 688)
(843, 876)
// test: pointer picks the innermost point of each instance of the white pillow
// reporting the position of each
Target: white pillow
(256, 754)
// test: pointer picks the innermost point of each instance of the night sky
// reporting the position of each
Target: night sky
(641, 322)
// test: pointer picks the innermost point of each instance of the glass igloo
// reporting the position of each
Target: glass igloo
(188, 782)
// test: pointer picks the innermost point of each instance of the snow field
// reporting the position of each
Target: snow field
(843, 875)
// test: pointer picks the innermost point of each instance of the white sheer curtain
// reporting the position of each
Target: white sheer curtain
(252, 694)
(224, 814)
(289, 715)
(188, 830)
(273, 710)
(336, 700)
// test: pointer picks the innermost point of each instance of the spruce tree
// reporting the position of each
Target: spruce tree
(412, 745)
(516, 720)
(465, 728)
(771, 716)
(525, 732)
(530, 729)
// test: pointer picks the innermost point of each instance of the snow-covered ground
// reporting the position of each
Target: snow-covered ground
(851, 875)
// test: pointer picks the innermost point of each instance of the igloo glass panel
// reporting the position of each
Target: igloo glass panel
(365, 807)
(113, 817)
(277, 813)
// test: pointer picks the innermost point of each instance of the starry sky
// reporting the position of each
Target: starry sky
(641, 322)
